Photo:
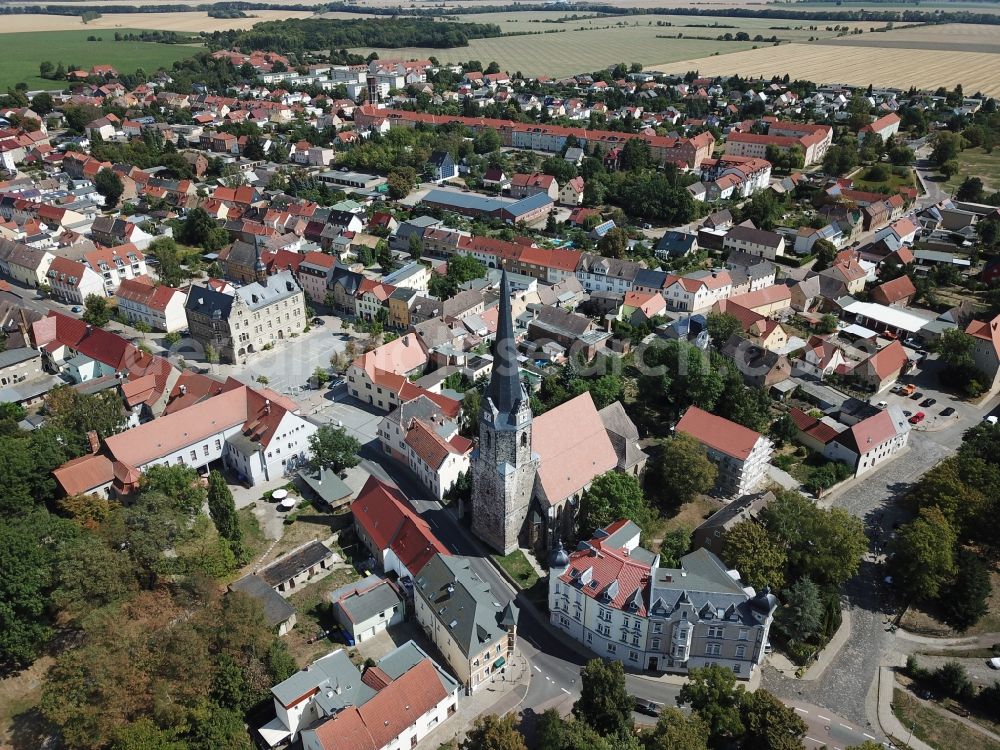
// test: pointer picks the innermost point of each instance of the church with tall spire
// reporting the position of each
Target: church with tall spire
(529, 473)
(504, 466)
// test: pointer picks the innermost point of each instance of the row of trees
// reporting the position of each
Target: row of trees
(940, 558)
(722, 715)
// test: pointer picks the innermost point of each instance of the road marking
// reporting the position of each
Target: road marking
(824, 718)
(801, 710)
(813, 739)
(537, 669)
(845, 726)
(565, 691)
(548, 679)
(868, 735)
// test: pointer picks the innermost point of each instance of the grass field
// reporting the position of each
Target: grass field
(936, 730)
(519, 568)
(23, 52)
(191, 22)
(855, 65)
(974, 162)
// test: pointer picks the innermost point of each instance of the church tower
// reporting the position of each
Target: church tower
(504, 467)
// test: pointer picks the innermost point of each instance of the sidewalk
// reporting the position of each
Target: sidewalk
(890, 725)
(499, 700)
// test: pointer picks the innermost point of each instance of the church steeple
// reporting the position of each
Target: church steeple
(503, 466)
(506, 390)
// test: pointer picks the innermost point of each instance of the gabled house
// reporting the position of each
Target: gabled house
(741, 454)
(871, 442)
(987, 349)
(441, 166)
(882, 368)
(899, 291)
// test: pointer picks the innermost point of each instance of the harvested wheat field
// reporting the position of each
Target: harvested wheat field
(193, 21)
(976, 71)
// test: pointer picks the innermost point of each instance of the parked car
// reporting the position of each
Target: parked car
(646, 707)
(917, 418)
(908, 389)
(318, 322)
(882, 405)
(928, 402)
(948, 411)
(76, 309)
(916, 396)
(993, 663)
(990, 419)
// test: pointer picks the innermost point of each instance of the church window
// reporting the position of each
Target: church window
(524, 439)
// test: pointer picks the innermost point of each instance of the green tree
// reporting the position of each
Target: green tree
(683, 470)
(675, 731)
(614, 243)
(760, 561)
(604, 703)
(971, 189)
(493, 732)
(769, 723)
(169, 270)
(827, 323)
(222, 509)
(333, 448)
(963, 600)
(612, 496)
(801, 615)
(486, 141)
(180, 483)
(947, 147)
(553, 732)
(29, 549)
(75, 414)
(826, 545)
(90, 575)
(715, 697)
(721, 326)
(923, 556)
(400, 182)
(96, 311)
(199, 229)
(109, 185)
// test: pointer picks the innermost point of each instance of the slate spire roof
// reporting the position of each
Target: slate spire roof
(506, 390)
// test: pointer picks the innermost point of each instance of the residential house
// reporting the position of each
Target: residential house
(805, 294)
(571, 194)
(899, 291)
(613, 597)
(315, 272)
(25, 264)
(599, 274)
(115, 264)
(457, 610)
(641, 307)
(334, 705)
(441, 166)
(711, 534)
(527, 185)
(759, 366)
(871, 442)
(278, 613)
(366, 608)
(811, 432)
(754, 242)
(842, 279)
(345, 285)
(674, 244)
(987, 349)
(399, 539)
(741, 454)
(882, 368)
(697, 291)
(381, 377)
(72, 281)
(371, 298)
(821, 357)
(766, 301)
(159, 306)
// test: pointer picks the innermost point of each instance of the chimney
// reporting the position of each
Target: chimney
(92, 440)
(184, 390)
(267, 406)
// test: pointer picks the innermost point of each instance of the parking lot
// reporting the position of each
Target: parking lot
(925, 378)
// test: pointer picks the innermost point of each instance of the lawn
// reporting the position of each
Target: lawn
(974, 162)
(893, 182)
(23, 52)
(519, 568)
(936, 730)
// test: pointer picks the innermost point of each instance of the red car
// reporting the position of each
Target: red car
(917, 418)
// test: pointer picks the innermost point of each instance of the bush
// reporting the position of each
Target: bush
(953, 681)
(877, 173)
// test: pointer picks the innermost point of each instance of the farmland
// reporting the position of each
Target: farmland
(23, 52)
(855, 65)
(193, 21)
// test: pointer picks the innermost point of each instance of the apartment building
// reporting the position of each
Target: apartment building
(741, 454)
(612, 596)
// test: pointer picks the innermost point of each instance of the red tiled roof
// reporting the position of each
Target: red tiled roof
(381, 719)
(84, 473)
(608, 566)
(893, 291)
(987, 331)
(719, 433)
(888, 360)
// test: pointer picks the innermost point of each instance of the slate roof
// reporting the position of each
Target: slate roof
(289, 566)
(276, 609)
(461, 601)
(205, 301)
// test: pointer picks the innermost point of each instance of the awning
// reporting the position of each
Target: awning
(499, 663)
(274, 732)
